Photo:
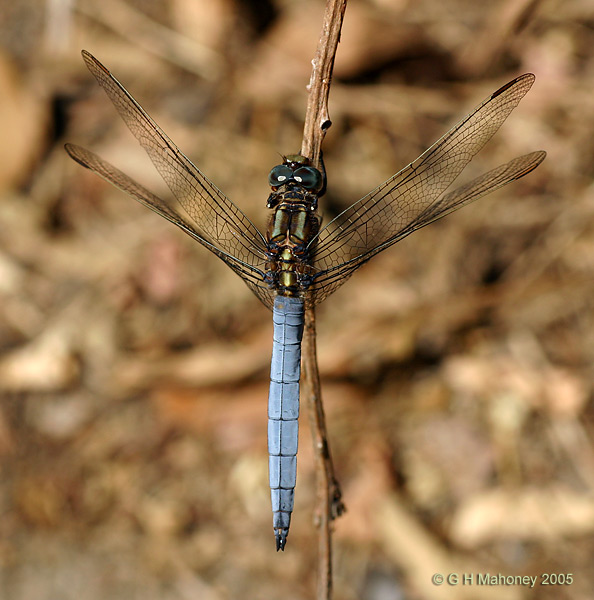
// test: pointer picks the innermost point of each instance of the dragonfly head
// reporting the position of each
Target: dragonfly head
(297, 170)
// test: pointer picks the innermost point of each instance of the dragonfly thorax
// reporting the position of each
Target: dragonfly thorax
(293, 223)
(292, 227)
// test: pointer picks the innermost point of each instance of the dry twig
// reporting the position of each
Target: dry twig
(317, 122)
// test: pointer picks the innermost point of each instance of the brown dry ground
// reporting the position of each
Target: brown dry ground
(456, 367)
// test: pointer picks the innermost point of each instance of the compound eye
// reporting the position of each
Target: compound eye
(279, 175)
(309, 178)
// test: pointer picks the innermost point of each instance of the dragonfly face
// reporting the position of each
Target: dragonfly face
(295, 178)
(297, 264)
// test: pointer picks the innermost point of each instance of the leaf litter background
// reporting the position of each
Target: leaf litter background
(457, 366)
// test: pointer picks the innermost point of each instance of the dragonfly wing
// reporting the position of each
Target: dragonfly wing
(332, 278)
(250, 270)
(387, 214)
(479, 187)
(214, 216)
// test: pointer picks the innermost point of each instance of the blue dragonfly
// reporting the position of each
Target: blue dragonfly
(297, 263)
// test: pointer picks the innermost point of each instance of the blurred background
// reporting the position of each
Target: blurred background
(456, 367)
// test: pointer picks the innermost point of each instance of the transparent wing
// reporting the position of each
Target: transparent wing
(329, 280)
(253, 275)
(210, 213)
(411, 199)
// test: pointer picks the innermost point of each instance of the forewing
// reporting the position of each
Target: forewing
(387, 213)
(380, 215)
(251, 270)
(216, 219)
(328, 281)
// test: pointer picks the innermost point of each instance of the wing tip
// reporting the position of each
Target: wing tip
(92, 63)
(74, 152)
(536, 159)
(528, 78)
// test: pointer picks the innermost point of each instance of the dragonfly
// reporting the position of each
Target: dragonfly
(296, 263)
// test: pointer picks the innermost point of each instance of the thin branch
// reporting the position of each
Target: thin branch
(328, 494)
(317, 118)
(317, 122)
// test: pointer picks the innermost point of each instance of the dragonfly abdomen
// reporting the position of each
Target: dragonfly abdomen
(283, 410)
